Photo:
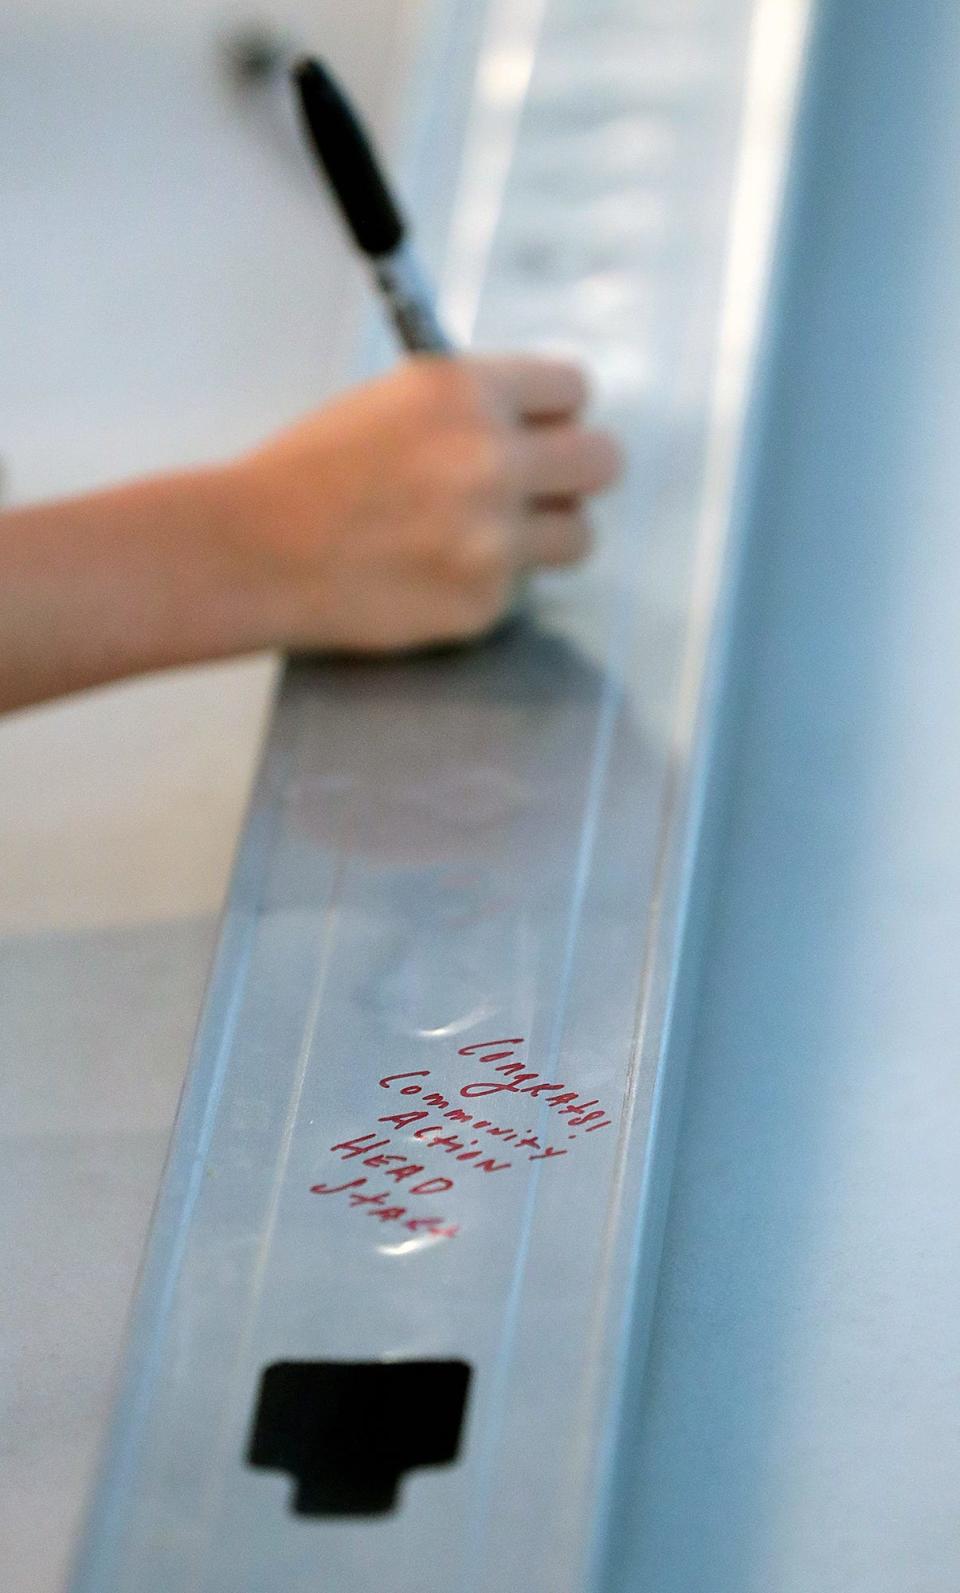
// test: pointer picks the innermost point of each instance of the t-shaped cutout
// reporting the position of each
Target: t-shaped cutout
(346, 1431)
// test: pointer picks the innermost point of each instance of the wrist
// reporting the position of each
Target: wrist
(206, 579)
(211, 610)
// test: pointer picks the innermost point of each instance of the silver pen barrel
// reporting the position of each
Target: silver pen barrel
(409, 301)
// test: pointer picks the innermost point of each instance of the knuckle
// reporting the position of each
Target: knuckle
(483, 460)
(450, 388)
(465, 469)
(567, 382)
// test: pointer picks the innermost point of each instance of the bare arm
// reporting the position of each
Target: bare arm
(398, 516)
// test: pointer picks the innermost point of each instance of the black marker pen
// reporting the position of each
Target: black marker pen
(344, 150)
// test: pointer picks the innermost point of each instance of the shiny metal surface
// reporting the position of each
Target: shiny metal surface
(452, 851)
(409, 299)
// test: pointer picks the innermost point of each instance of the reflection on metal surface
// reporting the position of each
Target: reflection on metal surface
(410, 1247)
(504, 67)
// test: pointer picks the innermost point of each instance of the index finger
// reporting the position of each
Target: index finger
(537, 388)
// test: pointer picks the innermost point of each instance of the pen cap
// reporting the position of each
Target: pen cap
(344, 151)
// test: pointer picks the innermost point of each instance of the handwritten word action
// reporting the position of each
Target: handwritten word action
(371, 1151)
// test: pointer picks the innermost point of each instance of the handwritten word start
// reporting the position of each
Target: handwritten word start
(379, 1205)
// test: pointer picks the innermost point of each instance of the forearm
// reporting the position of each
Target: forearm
(399, 517)
(112, 583)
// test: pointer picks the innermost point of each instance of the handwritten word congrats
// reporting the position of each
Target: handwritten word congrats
(569, 1103)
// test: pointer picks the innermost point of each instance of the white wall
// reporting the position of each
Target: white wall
(172, 285)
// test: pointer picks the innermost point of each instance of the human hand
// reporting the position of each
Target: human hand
(400, 516)
(403, 513)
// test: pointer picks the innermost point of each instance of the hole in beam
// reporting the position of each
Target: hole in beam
(348, 1431)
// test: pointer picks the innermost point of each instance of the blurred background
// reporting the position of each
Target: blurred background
(172, 290)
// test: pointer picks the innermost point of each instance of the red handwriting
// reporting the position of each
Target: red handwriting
(410, 1179)
(357, 1147)
(512, 1136)
(569, 1103)
(578, 1113)
(379, 1206)
(450, 1144)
